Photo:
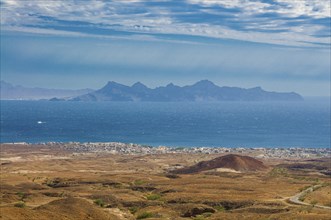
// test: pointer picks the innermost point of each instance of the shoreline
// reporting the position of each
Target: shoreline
(138, 149)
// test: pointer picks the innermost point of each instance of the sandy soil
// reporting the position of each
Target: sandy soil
(41, 183)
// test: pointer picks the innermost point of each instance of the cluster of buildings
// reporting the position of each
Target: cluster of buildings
(123, 148)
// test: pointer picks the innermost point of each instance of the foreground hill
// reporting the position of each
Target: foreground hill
(13, 92)
(67, 208)
(201, 91)
(230, 161)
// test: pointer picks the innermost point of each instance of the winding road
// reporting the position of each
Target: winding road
(296, 199)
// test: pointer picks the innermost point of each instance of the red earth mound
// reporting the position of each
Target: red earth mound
(230, 161)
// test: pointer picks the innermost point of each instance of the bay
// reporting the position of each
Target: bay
(188, 124)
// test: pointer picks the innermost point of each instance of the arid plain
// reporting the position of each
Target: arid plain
(40, 182)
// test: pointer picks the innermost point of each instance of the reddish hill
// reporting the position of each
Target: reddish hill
(230, 161)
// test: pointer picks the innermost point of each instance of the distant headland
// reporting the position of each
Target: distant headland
(203, 90)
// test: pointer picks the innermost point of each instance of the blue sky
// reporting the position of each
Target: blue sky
(281, 45)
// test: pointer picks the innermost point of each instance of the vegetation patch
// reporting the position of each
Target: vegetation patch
(20, 204)
(278, 171)
(139, 182)
(143, 188)
(219, 208)
(313, 203)
(153, 196)
(199, 217)
(203, 216)
(133, 209)
(99, 202)
(145, 215)
(21, 195)
(172, 176)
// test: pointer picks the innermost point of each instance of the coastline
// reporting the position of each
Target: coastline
(138, 149)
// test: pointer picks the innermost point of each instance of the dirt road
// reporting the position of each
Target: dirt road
(296, 199)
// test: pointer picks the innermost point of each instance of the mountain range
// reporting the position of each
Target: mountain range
(203, 90)
(13, 92)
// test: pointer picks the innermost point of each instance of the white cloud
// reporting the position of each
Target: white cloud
(248, 6)
(292, 8)
(313, 8)
(135, 16)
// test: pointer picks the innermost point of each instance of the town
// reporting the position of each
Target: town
(132, 149)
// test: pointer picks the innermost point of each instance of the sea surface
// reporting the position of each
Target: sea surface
(227, 124)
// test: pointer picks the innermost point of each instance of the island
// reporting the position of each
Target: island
(203, 90)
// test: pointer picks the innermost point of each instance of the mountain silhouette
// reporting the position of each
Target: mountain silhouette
(17, 92)
(203, 90)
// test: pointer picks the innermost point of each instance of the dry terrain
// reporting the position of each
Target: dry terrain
(320, 196)
(38, 182)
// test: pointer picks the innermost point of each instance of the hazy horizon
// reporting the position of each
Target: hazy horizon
(150, 87)
(278, 45)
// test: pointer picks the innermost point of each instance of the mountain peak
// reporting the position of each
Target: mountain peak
(257, 88)
(111, 83)
(139, 85)
(204, 83)
(170, 85)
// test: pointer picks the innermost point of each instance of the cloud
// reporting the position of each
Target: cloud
(301, 23)
(291, 8)
(312, 8)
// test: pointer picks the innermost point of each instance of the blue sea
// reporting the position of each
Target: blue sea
(227, 124)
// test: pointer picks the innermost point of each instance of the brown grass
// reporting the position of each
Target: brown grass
(62, 185)
(320, 196)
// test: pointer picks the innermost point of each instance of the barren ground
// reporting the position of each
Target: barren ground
(52, 184)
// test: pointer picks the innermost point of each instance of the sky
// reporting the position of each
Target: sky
(280, 45)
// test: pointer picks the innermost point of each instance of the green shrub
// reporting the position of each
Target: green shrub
(153, 196)
(313, 203)
(20, 204)
(145, 215)
(21, 195)
(138, 182)
(303, 196)
(199, 217)
(61, 194)
(133, 209)
(99, 202)
(207, 214)
(220, 208)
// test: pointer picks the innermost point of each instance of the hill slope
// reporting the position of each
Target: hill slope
(230, 161)
(66, 209)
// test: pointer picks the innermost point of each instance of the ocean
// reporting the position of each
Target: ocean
(219, 124)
